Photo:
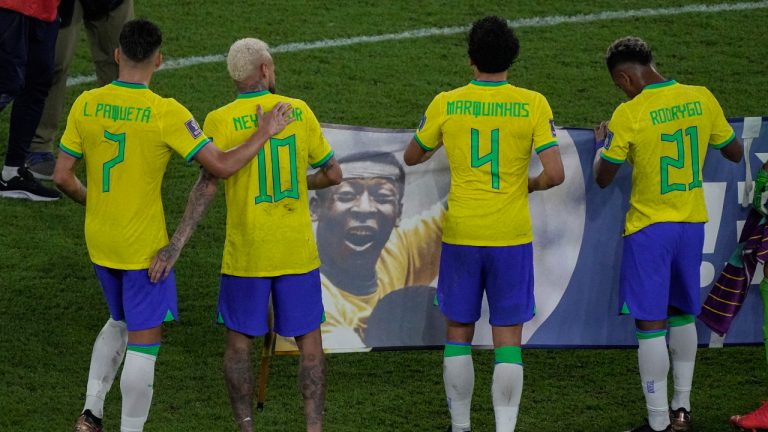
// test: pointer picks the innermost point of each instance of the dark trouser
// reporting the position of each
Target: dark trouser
(27, 47)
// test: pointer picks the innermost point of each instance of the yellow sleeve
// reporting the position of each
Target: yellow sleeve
(722, 132)
(430, 132)
(544, 135)
(71, 142)
(214, 128)
(620, 130)
(319, 149)
(180, 130)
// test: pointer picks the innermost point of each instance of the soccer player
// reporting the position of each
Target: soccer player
(270, 247)
(125, 133)
(366, 250)
(489, 129)
(663, 131)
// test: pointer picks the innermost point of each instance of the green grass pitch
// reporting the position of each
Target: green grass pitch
(51, 307)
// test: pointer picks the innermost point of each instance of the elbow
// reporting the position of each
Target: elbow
(60, 180)
(335, 176)
(220, 171)
(557, 179)
(410, 161)
(603, 183)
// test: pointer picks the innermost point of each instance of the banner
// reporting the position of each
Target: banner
(379, 237)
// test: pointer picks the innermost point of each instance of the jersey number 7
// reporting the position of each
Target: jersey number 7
(108, 165)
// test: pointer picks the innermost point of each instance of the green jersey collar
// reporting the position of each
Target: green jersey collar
(129, 85)
(659, 85)
(248, 95)
(488, 83)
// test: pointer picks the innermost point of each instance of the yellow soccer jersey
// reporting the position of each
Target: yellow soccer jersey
(125, 133)
(664, 132)
(488, 130)
(269, 230)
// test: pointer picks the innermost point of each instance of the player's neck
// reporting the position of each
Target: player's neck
(651, 76)
(135, 75)
(483, 76)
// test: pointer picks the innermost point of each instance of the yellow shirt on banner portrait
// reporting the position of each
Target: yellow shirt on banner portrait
(269, 230)
(664, 133)
(126, 135)
(411, 257)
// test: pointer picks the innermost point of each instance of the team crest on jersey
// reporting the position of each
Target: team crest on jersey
(423, 120)
(552, 128)
(608, 139)
(193, 128)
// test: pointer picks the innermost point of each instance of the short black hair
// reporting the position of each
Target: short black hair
(493, 46)
(140, 39)
(629, 49)
(379, 157)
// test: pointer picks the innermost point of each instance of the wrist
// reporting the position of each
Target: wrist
(599, 143)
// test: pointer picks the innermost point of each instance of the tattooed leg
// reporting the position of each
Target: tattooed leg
(239, 376)
(312, 378)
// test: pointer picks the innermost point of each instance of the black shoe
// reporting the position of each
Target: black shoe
(25, 186)
(647, 428)
(681, 420)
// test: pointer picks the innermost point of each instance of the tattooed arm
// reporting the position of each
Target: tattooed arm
(199, 198)
(328, 175)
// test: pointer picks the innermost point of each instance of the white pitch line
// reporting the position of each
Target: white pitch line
(443, 31)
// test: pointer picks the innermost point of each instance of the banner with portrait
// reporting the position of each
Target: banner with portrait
(379, 234)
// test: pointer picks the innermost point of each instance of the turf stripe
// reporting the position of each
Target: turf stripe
(542, 21)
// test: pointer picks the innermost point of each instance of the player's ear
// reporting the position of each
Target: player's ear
(158, 59)
(117, 55)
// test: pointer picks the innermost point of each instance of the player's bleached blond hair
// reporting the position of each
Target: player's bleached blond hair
(245, 57)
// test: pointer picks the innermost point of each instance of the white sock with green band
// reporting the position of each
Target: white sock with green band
(683, 342)
(459, 378)
(653, 361)
(107, 355)
(136, 384)
(507, 387)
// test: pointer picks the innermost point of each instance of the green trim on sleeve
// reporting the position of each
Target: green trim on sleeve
(421, 144)
(322, 161)
(70, 152)
(546, 146)
(610, 159)
(680, 320)
(197, 148)
(724, 143)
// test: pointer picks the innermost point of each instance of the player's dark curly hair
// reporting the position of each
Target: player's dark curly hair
(140, 39)
(629, 49)
(493, 46)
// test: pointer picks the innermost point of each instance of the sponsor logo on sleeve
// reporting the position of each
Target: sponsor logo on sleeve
(608, 139)
(193, 128)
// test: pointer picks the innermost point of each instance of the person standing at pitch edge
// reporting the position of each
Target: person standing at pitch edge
(270, 249)
(489, 129)
(126, 134)
(663, 131)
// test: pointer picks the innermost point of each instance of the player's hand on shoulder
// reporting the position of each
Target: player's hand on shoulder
(163, 262)
(275, 120)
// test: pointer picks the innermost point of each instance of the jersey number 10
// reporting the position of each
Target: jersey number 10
(277, 192)
(679, 161)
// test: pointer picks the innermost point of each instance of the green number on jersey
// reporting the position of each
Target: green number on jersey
(679, 161)
(108, 165)
(492, 157)
(277, 192)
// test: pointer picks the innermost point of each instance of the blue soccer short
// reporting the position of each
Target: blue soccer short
(133, 298)
(504, 273)
(296, 299)
(660, 268)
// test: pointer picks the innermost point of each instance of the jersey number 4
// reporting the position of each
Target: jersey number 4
(277, 192)
(119, 139)
(491, 157)
(679, 162)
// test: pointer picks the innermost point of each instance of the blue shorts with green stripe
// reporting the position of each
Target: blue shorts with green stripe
(660, 268)
(133, 298)
(503, 273)
(297, 301)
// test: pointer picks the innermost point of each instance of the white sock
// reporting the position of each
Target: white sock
(653, 360)
(108, 353)
(506, 390)
(9, 172)
(459, 378)
(136, 384)
(683, 342)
